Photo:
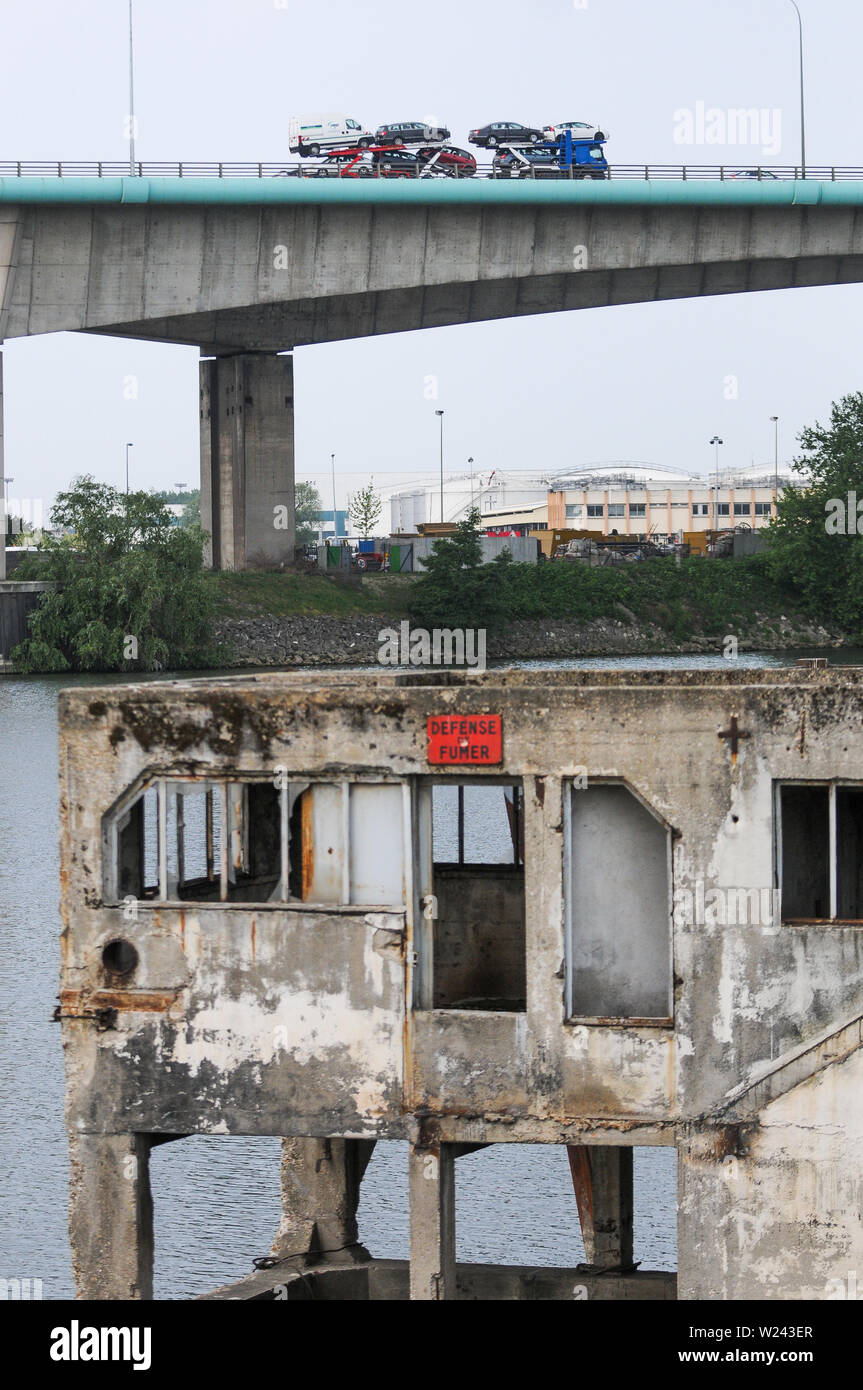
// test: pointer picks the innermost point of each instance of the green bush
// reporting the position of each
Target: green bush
(684, 598)
(131, 592)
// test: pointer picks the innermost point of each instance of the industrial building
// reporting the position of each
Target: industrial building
(644, 500)
(634, 499)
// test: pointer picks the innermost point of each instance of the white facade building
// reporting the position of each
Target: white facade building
(412, 504)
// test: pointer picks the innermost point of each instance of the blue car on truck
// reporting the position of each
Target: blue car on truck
(554, 159)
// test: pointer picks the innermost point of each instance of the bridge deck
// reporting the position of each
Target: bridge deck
(250, 190)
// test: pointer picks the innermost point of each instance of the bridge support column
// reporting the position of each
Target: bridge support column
(602, 1178)
(111, 1216)
(432, 1202)
(320, 1196)
(247, 460)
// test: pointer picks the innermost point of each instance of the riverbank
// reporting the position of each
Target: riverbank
(554, 612)
(324, 640)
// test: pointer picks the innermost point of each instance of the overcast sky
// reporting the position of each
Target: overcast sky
(218, 79)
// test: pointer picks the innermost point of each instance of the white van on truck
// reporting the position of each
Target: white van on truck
(308, 135)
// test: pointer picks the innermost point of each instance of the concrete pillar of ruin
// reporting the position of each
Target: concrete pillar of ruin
(602, 1178)
(247, 460)
(320, 1181)
(111, 1216)
(432, 1207)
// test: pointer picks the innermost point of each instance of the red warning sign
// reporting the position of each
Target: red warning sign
(465, 738)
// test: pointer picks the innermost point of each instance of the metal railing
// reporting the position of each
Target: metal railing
(191, 169)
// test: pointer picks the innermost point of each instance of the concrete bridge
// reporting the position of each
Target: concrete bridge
(249, 268)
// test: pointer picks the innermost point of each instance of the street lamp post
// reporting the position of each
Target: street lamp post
(802, 95)
(439, 413)
(775, 420)
(470, 466)
(6, 482)
(716, 441)
(335, 513)
(131, 96)
(128, 447)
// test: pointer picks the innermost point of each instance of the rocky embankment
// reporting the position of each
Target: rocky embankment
(328, 641)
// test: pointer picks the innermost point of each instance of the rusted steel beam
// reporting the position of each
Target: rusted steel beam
(582, 1185)
(79, 1003)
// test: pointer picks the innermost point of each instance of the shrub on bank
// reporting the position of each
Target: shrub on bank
(684, 598)
(131, 593)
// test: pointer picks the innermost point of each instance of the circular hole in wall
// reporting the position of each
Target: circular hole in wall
(119, 957)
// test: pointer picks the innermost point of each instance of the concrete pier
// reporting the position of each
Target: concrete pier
(432, 1199)
(602, 1178)
(320, 1180)
(111, 1215)
(247, 460)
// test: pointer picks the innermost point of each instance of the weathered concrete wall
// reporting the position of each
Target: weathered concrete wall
(266, 278)
(309, 1026)
(787, 1208)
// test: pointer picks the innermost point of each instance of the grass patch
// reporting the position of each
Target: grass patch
(275, 595)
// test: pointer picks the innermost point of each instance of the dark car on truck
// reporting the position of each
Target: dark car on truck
(505, 133)
(410, 133)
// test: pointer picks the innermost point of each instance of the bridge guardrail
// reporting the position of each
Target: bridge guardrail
(191, 169)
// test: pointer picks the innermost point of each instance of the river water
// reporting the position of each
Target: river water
(216, 1199)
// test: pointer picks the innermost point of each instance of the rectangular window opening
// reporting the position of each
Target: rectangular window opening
(820, 852)
(479, 899)
(263, 841)
(618, 907)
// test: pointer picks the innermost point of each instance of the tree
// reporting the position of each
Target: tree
(814, 548)
(365, 509)
(131, 592)
(307, 505)
(457, 590)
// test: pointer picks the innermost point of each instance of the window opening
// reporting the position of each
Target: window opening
(820, 852)
(478, 892)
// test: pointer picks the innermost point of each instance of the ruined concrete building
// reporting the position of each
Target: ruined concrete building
(595, 909)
